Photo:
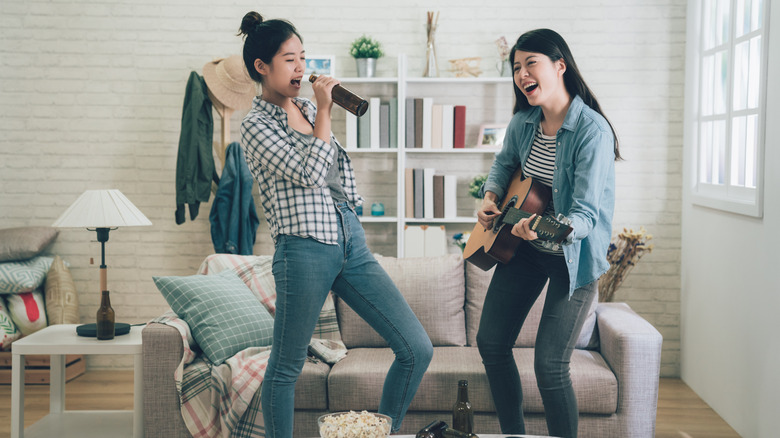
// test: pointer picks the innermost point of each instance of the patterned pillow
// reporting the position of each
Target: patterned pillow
(221, 311)
(28, 311)
(256, 272)
(62, 300)
(25, 242)
(23, 276)
(8, 330)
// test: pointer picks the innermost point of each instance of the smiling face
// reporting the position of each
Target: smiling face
(282, 77)
(539, 78)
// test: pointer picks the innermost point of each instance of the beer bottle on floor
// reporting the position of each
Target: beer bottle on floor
(462, 413)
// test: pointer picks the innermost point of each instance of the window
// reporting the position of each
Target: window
(730, 60)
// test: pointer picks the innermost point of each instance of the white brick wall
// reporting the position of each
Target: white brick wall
(91, 96)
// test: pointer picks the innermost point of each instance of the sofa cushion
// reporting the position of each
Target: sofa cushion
(222, 313)
(477, 282)
(356, 382)
(62, 300)
(23, 243)
(311, 390)
(23, 276)
(434, 289)
(256, 273)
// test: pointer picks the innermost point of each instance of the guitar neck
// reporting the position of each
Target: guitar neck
(513, 215)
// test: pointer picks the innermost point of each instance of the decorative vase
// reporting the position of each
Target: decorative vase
(477, 205)
(504, 68)
(431, 68)
(366, 67)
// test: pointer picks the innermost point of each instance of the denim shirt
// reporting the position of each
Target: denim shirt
(583, 186)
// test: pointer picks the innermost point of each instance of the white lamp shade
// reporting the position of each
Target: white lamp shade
(101, 209)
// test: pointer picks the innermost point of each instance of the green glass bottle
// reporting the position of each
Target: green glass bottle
(462, 413)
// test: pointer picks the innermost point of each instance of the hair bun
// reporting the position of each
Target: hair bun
(249, 23)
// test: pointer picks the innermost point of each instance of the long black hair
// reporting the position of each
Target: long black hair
(551, 44)
(262, 40)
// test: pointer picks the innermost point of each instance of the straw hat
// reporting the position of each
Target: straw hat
(229, 82)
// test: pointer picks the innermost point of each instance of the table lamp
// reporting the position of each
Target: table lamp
(102, 211)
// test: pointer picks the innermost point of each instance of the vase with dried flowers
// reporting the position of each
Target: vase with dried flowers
(623, 254)
(431, 67)
(503, 66)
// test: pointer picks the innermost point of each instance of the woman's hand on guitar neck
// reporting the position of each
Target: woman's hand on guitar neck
(488, 211)
(523, 230)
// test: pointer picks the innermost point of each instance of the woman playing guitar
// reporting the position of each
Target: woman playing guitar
(560, 137)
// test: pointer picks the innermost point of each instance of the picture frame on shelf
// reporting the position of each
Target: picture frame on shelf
(491, 136)
(321, 65)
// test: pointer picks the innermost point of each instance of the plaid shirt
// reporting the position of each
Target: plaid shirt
(291, 172)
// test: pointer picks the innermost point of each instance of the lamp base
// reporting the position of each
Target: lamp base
(90, 330)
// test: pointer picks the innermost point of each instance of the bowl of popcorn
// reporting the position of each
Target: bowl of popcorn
(354, 425)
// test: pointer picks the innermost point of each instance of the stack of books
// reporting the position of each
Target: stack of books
(433, 126)
(430, 196)
(376, 129)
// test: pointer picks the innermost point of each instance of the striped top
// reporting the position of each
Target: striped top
(541, 165)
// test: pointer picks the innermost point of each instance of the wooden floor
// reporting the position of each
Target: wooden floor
(681, 413)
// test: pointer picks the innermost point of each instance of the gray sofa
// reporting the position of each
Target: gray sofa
(615, 368)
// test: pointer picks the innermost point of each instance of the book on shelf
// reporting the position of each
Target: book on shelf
(459, 127)
(418, 193)
(418, 123)
(364, 129)
(450, 196)
(436, 126)
(427, 116)
(438, 196)
(428, 198)
(447, 126)
(409, 192)
(393, 105)
(425, 241)
(410, 122)
(376, 112)
(352, 131)
(384, 126)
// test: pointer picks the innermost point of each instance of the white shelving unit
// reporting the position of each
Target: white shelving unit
(403, 82)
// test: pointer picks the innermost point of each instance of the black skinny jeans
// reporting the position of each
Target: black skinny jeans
(512, 292)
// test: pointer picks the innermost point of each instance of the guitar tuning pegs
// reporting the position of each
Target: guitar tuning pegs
(563, 219)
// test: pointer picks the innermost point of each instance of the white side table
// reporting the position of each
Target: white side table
(58, 341)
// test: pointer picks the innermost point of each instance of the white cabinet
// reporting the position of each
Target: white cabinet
(488, 100)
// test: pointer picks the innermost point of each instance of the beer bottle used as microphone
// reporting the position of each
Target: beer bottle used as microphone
(346, 99)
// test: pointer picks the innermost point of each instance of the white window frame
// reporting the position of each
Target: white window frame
(733, 198)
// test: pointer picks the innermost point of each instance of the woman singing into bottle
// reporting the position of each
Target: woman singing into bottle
(559, 136)
(308, 192)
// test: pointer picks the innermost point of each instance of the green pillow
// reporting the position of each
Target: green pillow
(222, 313)
(23, 276)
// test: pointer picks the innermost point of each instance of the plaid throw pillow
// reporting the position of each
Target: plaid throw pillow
(222, 313)
(256, 273)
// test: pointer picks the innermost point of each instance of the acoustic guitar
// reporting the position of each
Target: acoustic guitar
(524, 198)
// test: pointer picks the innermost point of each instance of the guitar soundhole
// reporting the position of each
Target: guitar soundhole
(498, 223)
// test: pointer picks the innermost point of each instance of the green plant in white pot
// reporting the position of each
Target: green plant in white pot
(366, 50)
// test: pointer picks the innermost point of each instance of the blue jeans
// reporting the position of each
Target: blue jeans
(304, 271)
(513, 290)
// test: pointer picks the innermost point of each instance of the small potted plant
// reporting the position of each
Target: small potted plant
(366, 50)
(474, 187)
